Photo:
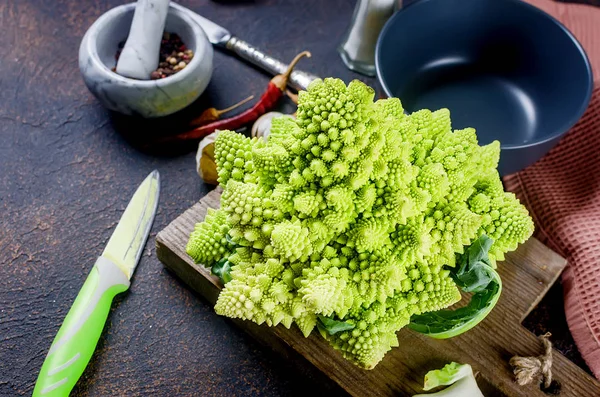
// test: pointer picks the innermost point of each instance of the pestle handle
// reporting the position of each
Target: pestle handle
(139, 57)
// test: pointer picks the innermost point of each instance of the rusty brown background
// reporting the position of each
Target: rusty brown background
(68, 169)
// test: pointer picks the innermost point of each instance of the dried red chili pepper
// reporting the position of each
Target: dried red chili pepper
(212, 114)
(275, 90)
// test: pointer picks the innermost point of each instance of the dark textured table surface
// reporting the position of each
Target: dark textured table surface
(67, 170)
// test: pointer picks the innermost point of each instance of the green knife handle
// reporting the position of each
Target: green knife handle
(76, 339)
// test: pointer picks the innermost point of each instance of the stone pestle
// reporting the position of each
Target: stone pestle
(139, 57)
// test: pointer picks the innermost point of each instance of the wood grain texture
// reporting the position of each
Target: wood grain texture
(527, 274)
(67, 170)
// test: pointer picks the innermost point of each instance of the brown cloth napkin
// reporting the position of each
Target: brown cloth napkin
(562, 192)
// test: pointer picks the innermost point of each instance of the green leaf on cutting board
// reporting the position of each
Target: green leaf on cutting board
(473, 273)
(222, 269)
(330, 326)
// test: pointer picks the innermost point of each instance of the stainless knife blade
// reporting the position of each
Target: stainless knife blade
(127, 242)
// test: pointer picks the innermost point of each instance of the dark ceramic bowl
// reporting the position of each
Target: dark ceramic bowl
(503, 67)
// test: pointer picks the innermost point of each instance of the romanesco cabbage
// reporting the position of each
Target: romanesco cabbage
(351, 212)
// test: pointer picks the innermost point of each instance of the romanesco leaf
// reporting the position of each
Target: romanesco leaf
(222, 269)
(332, 326)
(478, 277)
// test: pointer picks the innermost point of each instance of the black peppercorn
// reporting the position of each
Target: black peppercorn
(173, 57)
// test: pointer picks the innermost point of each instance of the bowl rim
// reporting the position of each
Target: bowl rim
(559, 131)
(92, 50)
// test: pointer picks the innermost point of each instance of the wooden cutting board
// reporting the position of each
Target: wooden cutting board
(527, 274)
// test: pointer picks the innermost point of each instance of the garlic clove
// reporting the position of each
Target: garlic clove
(205, 159)
(262, 125)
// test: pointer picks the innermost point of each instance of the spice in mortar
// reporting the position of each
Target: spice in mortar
(174, 56)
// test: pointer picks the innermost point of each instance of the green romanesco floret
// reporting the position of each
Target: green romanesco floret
(377, 324)
(370, 234)
(208, 242)
(233, 155)
(352, 213)
(290, 241)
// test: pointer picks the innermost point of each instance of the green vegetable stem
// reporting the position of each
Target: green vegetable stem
(459, 378)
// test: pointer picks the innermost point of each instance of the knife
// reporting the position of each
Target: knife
(221, 37)
(78, 335)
